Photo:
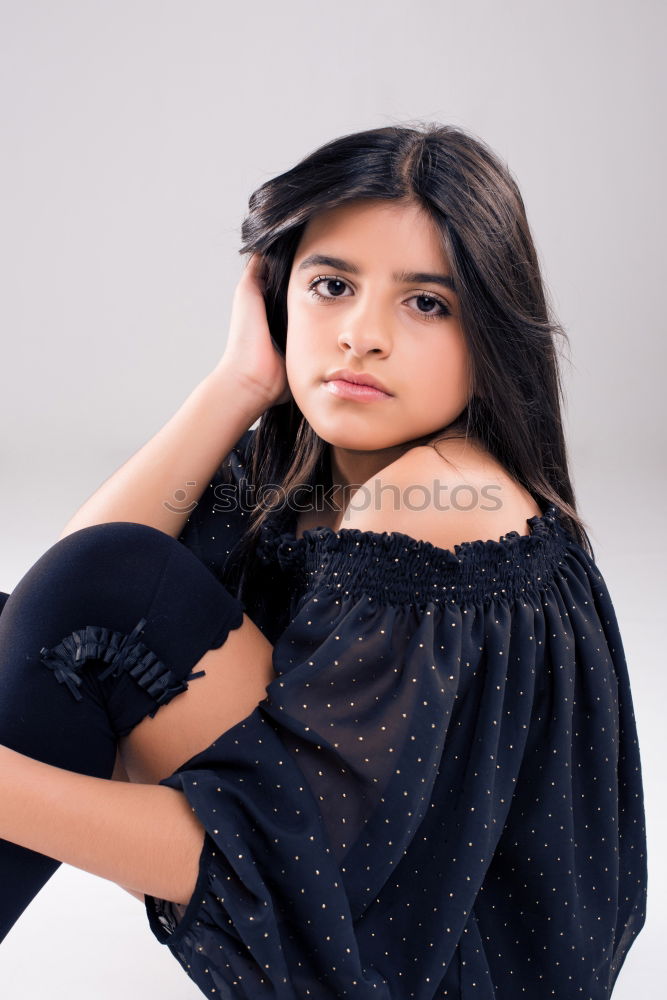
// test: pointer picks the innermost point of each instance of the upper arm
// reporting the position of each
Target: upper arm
(423, 495)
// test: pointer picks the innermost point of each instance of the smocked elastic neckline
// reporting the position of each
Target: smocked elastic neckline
(358, 561)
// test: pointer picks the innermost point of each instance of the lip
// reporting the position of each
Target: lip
(357, 378)
(351, 390)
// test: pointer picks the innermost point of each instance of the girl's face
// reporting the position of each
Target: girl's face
(369, 291)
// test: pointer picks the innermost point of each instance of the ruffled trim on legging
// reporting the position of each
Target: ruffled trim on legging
(123, 652)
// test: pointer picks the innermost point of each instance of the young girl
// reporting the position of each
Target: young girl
(358, 663)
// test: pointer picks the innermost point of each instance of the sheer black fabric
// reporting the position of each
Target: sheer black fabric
(441, 794)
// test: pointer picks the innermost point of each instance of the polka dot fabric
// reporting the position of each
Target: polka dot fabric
(440, 795)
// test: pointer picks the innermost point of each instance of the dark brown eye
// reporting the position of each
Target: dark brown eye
(433, 301)
(337, 283)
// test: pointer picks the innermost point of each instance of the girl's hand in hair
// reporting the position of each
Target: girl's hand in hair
(251, 353)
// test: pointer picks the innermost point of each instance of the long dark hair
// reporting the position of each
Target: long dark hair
(514, 410)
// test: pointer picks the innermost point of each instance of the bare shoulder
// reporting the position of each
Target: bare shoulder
(445, 495)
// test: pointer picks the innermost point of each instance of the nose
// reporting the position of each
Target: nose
(365, 331)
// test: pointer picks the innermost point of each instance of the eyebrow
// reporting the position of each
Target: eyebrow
(407, 277)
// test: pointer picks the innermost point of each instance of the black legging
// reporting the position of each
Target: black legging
(101, 631)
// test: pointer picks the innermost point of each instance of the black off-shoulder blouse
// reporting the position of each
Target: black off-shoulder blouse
(441, 794)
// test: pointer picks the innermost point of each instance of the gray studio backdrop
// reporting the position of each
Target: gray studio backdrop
(132, 135)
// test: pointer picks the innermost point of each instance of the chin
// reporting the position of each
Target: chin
(344, 434)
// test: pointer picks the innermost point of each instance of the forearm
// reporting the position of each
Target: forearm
(144, 837)
(182, 456)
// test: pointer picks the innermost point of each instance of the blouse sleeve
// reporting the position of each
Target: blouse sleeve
(426, 782)
(219, 518)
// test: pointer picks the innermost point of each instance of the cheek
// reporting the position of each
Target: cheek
(443, 374)
(300, 359)
(458, 362)
(295, 349)
(303, 345)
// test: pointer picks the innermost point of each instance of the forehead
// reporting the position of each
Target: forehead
(376, 226)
